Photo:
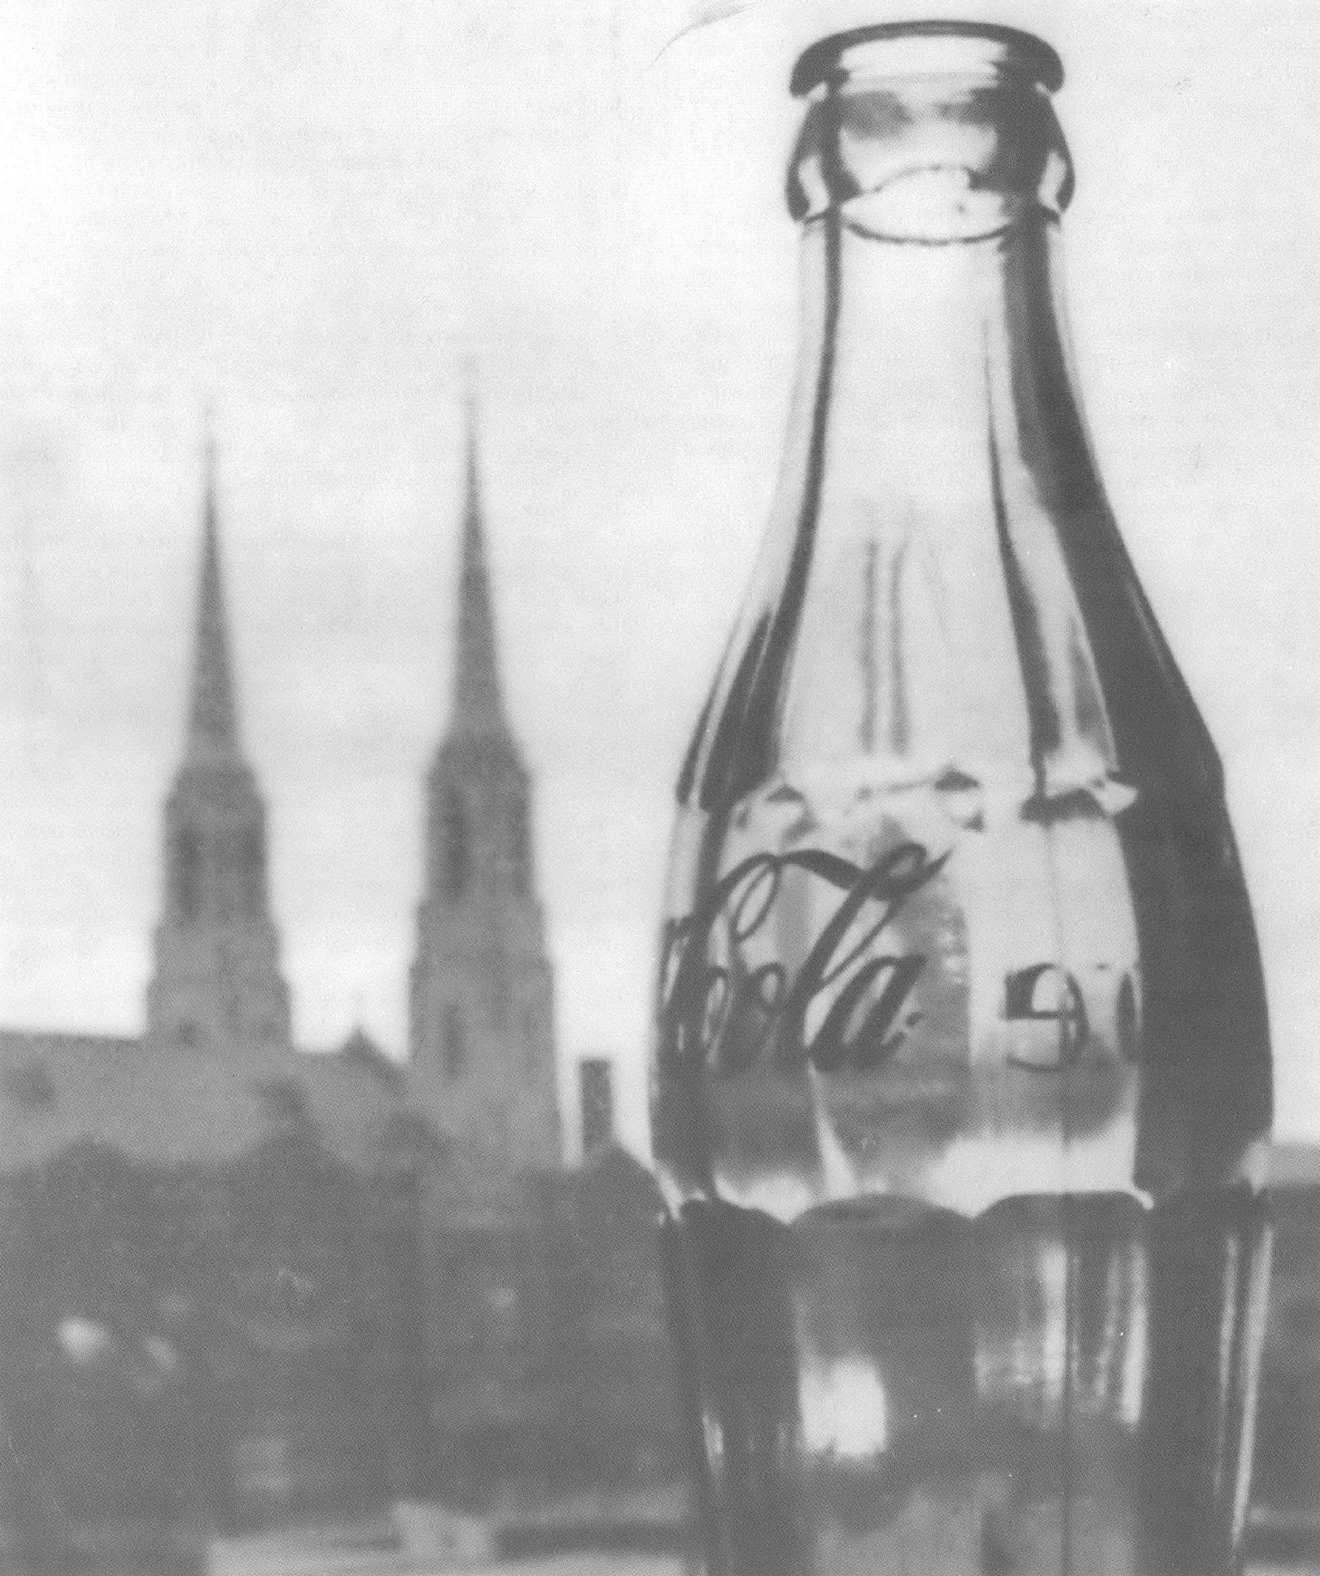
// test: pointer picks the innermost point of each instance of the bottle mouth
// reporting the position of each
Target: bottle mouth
(900, 49)
(929, 131)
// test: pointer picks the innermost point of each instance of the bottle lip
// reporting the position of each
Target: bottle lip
(824, 61)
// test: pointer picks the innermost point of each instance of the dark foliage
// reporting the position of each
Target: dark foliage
(205, 1347)
(150, 1318)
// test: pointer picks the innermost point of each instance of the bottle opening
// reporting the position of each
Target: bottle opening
(898, 49)
(929, 131)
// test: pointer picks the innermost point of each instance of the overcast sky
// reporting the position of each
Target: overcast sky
(307, 211)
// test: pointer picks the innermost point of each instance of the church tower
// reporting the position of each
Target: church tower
(217, 982)
(481, 998)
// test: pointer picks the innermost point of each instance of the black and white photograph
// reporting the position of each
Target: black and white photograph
(660, 784)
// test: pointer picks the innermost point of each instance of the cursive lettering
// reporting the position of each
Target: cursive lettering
(726, 1015)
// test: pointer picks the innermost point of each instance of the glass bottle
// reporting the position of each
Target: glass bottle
(961, 1076)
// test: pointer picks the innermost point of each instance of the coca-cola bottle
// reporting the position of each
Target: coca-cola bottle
(961, 1076)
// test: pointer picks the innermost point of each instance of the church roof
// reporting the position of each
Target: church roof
(354, 1101)
(170, 1105)
(360, 1050)
(60, 1089)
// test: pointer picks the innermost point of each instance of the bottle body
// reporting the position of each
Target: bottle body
(1061, 1384)
(961, 1070)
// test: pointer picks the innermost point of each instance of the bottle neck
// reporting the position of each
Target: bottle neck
(936, 514)
(916, 359)
(947, 434)
(942, 595)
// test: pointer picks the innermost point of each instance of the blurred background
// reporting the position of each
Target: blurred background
(282, 582)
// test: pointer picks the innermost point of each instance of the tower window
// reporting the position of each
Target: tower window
(453, 844)
(453, 1045)
(188, 872)
(597, 1091)
(252, 869)
(520, 854)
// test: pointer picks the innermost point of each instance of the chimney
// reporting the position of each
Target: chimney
(597, 1099)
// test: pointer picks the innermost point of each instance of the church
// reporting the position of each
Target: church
(360, 1278)
(218, 1022)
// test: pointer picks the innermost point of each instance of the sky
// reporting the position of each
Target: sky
(304, 214)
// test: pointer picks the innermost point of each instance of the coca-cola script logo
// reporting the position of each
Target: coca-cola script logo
(851, 1004)
(728, 1015)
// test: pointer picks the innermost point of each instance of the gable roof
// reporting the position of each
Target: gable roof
(171, 1105)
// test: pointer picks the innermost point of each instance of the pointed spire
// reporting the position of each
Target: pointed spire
(477, 702)
(213, 723)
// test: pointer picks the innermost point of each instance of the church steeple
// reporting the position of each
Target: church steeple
(217, 983)
(478, 707)
(481, 1004)
(213, 720)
